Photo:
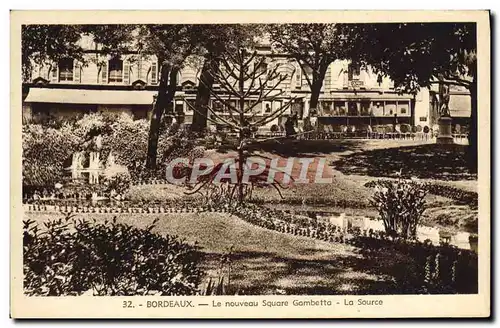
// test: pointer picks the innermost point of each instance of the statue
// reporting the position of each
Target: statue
(444, 95)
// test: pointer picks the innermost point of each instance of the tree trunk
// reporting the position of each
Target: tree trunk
(166, 92)
(203, 95)
(242, 136)
(472, 155)
(413, 102)
(317, 84)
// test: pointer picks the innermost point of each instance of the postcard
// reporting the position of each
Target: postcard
(250, 164)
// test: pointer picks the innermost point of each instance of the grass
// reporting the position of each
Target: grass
(267, 262)
(423, 161)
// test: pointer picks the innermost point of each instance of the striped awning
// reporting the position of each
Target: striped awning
(98, 97)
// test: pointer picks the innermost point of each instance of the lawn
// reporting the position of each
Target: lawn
(269, 262)
(353, 163)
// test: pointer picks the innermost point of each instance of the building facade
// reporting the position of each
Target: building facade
(129, 83)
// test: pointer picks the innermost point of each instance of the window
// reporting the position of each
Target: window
(66, 69)
(179, 106)
(326, 107)
(298, 76)
(403, 108)
(272, 78)
(115, 70)
(352, 108)
(262, 68)
(230, 104)
(339, 108)
(423, 118)
(217, 106)
(277, 104)
(378, 108)
(267, 107)
(139, 68)
(354, 72)
(154, 73)
(390, 108)
(298, 107)
(365, 108)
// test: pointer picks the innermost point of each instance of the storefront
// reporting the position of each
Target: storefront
(365, 110)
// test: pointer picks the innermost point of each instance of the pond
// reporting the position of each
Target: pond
(435, 235)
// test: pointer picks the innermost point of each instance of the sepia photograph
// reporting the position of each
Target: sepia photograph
(270, 159)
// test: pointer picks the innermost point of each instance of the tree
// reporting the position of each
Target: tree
(241, 79)
(214, 40)
(114, 40)
(48, 44)
(417, 55)
(171, 44)
(45, 44)
(314, 47)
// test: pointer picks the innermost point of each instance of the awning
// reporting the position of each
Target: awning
(98, 97)
(364, 96)
(459, 105)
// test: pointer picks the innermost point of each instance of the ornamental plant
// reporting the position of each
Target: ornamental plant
(73, 257)
(400, 204)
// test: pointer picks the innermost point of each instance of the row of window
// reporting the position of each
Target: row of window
(327, 108)
(118, 71)
(112, 71)
(364, 108)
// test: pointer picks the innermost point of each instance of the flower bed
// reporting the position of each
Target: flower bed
(438, 269)
(462, 197)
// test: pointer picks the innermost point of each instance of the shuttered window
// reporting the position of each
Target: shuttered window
(139, 68)
(115, 70)
(354, 72)
(298, 76)
(154, 73)
(126, 72)
(53, 74)
(77, 72)
(66, 67)
(104, 73)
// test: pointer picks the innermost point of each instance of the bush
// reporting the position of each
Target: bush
(45, 150)
(117, 184)
(400, 205)
(128, 142)
(73, 257)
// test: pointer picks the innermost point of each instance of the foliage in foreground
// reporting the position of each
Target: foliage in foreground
(45, 149)
(74, 257)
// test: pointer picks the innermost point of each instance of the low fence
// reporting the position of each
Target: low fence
(440, 269)
(437, 269)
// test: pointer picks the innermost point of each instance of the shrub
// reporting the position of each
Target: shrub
(400, 204)
(72, 257)
(117, 184)
(128, 142)
(45, 150)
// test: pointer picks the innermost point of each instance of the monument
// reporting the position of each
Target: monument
(445, 136)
